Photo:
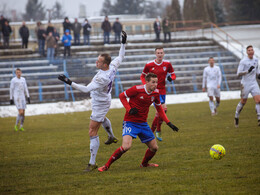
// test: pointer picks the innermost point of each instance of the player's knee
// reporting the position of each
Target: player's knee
(92, 132)
(154, 148)
(126, 146)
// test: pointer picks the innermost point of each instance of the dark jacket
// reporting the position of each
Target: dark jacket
(117, 27)
(56, 35)
(39, 34)
(66, 26)
(2, 23)
(49, 29)
(6, 30)
(76, 28)
(106, 26)
(157, 28)
(86, 29)
(24, 32)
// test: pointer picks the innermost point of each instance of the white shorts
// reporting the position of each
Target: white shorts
(214, 92)
(253, 89)
(20, 103)
(99, 110)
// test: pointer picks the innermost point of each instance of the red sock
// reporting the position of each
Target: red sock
(155, 121)
(160, 121)
(148, 156)
(116, 155)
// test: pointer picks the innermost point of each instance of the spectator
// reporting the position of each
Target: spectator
(56, 34)
(50, 44)
(66, 40)
(24, 33)
(166, 30)
(76, 30)
(117, 28)
(2, 23)
(6, 33)
(66, 25)
(38, 24)
(157, 29)
(41, 40)
(106, 26)
(86, 32)
(50, 28)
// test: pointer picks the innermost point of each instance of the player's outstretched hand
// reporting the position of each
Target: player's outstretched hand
(124, 37)
(169, 78)
(11, 102)
(63, 78)
(28, 100)
(172, 126)
(250, 69)
(133, 111)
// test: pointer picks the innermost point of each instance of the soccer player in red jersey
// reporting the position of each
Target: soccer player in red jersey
(161, 68)
(135, 120)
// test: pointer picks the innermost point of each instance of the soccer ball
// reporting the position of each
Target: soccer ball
(217, 151)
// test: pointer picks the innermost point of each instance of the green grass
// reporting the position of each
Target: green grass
(48, 158)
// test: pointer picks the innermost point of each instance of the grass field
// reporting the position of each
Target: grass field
(48, 158)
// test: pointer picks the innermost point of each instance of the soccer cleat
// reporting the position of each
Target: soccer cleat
(158, 135)
(150, 165)
(236, 121)
(90, 167)
(104, 168)
(21, 129)
(16, 127)
(111, 140)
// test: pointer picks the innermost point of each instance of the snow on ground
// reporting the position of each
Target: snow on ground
(85, 105)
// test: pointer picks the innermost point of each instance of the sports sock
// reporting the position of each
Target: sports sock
(155, 121)
(22, 120)
(17, 119)
(211, 106)
(239, 109)
(94, 145)
(160, 121)
(108, 127)
(257, 109)
(116, 155)
(148, 156)
(217, 104)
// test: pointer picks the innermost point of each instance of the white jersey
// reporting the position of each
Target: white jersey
(244, 65)
(101, 85)
(212, 76)
(18, 88)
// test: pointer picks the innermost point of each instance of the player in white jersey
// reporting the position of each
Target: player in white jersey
(212, 77)
(248, 69)
(18, 88)
(100, 91)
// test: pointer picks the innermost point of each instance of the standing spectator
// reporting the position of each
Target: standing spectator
(50, 28)
(2, 23)
(66, 40)
(86, 32)
(117, 28)
(6, 33)
(166, 30)
(24, 33)
(41, 40)
(76, 30)
(38, 24)
(56, 34)
(106, 26)
(50, 44)
(157, 29)
(66, 25)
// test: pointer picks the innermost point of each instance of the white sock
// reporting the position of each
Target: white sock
(211, 106)
(22, 120)
(94, 145)
(257, 109)
(17, 119)
(239, 109)
(108, 127)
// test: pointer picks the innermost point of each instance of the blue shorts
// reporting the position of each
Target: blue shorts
(162, 99)
(142, 130)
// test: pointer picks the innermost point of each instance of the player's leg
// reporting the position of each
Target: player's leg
(257, 107)
(22, 117)
(149, 154)
(155, 121)
(18, 118)
(160, 120)
(106, 124)
(241, 104)
(217, 97)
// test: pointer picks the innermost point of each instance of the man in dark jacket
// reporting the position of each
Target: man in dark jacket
(117, 28)
(50, 28)
(41, 40)
(86, 32)
(106, 26)
(2, 23)
(24, 33)
(76, 30)
(66, 25)
(6, 33)
(157, 29)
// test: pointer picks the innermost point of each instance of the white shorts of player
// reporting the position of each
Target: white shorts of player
(99, 110)
(214, 92)
(20, 103)
(246, 89)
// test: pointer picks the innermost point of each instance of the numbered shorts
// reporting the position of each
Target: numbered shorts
(99, 110)
(142, 130)
(253, 89)
(214, 92)
(20, 103)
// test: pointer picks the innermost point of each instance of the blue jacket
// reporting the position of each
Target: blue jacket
(68, 38)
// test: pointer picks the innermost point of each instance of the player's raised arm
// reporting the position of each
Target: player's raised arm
(241, 71)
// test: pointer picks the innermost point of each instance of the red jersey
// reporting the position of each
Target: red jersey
(161, 71)
(140, 99)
